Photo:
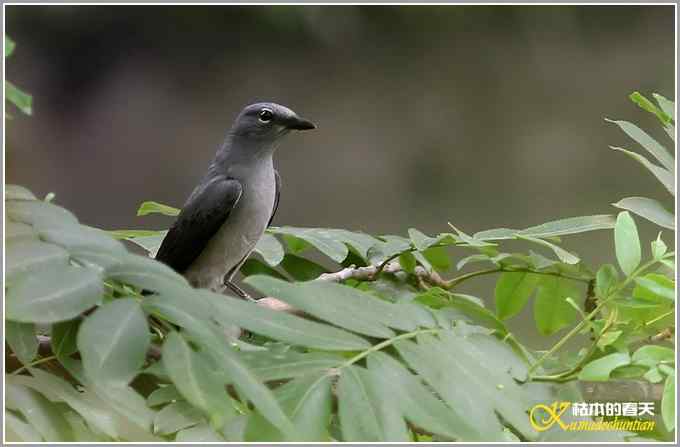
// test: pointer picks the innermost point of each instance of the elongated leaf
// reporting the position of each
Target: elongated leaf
(651, 355)
(18, 232)
(496, 234)
(250, 386)
(650, 144)
(34, 212)
(359, 242)
(320, 238)
(649, 106)
(655, 287)
(113, 342)
(128, 405)
(551, 310)
(267, 365)
(343, 306)
(564, 255)
(513, 291)
(72, 236)
(9, 46)
(391, 246)
(64, 338)
(132, 234)
(30, 255)
(627, 243)
(666, 105)
(57, 389)
(254, 266)
(282, 326)
(659, 247)
(420, 240)
(419, 405)
(151, 207)
(163, 395)
(199, 433)
(175, 417)
(600, 369)
(150, 243)
(301, 269)
(668, 403)
(605, 280)
(39, 412)
(363, 415)
(664, 176)
(18, 192)
(22, 340)
(649, 209)
(192, 377)
(571, 225)
(145, 273)
(20, 431)
(58, 294)
(19, 98)
(270, 249)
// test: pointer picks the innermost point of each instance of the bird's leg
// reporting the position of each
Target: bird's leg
(238, 291)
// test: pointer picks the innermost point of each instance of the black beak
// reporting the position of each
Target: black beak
(297, 123)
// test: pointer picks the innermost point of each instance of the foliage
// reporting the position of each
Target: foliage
(391, 353)
(16, 96)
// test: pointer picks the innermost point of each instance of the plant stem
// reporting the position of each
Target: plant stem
(34, 363)
(387, 343)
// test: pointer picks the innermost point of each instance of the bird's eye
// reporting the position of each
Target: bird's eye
(265, 115)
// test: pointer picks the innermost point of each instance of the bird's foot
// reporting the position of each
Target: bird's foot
(238, 291)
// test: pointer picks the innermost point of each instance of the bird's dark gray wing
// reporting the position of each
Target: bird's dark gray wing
(206, 210)
(277, 179)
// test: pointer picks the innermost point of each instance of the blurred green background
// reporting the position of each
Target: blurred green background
(484, 116)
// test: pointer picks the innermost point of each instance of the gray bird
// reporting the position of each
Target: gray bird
(229, 210)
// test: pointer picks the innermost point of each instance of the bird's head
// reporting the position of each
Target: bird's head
(268, 121)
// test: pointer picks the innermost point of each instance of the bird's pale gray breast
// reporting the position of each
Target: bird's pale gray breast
(243, 228)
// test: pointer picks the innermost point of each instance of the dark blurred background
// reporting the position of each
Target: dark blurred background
(484, 116)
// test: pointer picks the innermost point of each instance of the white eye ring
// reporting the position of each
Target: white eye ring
(265, 116)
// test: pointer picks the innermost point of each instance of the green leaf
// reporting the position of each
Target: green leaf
(649, 209)
(655, 286)
(269, 365)
(18, 232)
(163, 395)
(359, 242)
(132, 234)
(513, 290)
(668, 403)
(280, 325)
(649, 106)
(33, 212)
(650, 144)
(175, 417)
(151, 207)
(301, 269)
(600, 369)
(605, 280)
(419, 405)
(60, 293)
(362, 416)
(250, 386)
(344, 306)
(391, 246)
(198, 433)
(72, 236)
(19, 98)
(666, 105)
(22, 340)
(551, 310)
(627, 242)
(64, 338)
(145, 273)
(270, 249)
(408, 261)
(663, 175)
(20, 431)
(438, 258)
(420, 240)
(113, 342)
(651, 355)
(319, 238)
(9, 46)
(658, 247)
(150, 243)
(562, 254)
(254, 266)
(571, 225)
(194, 379)
(31, 255)
(18, 192)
